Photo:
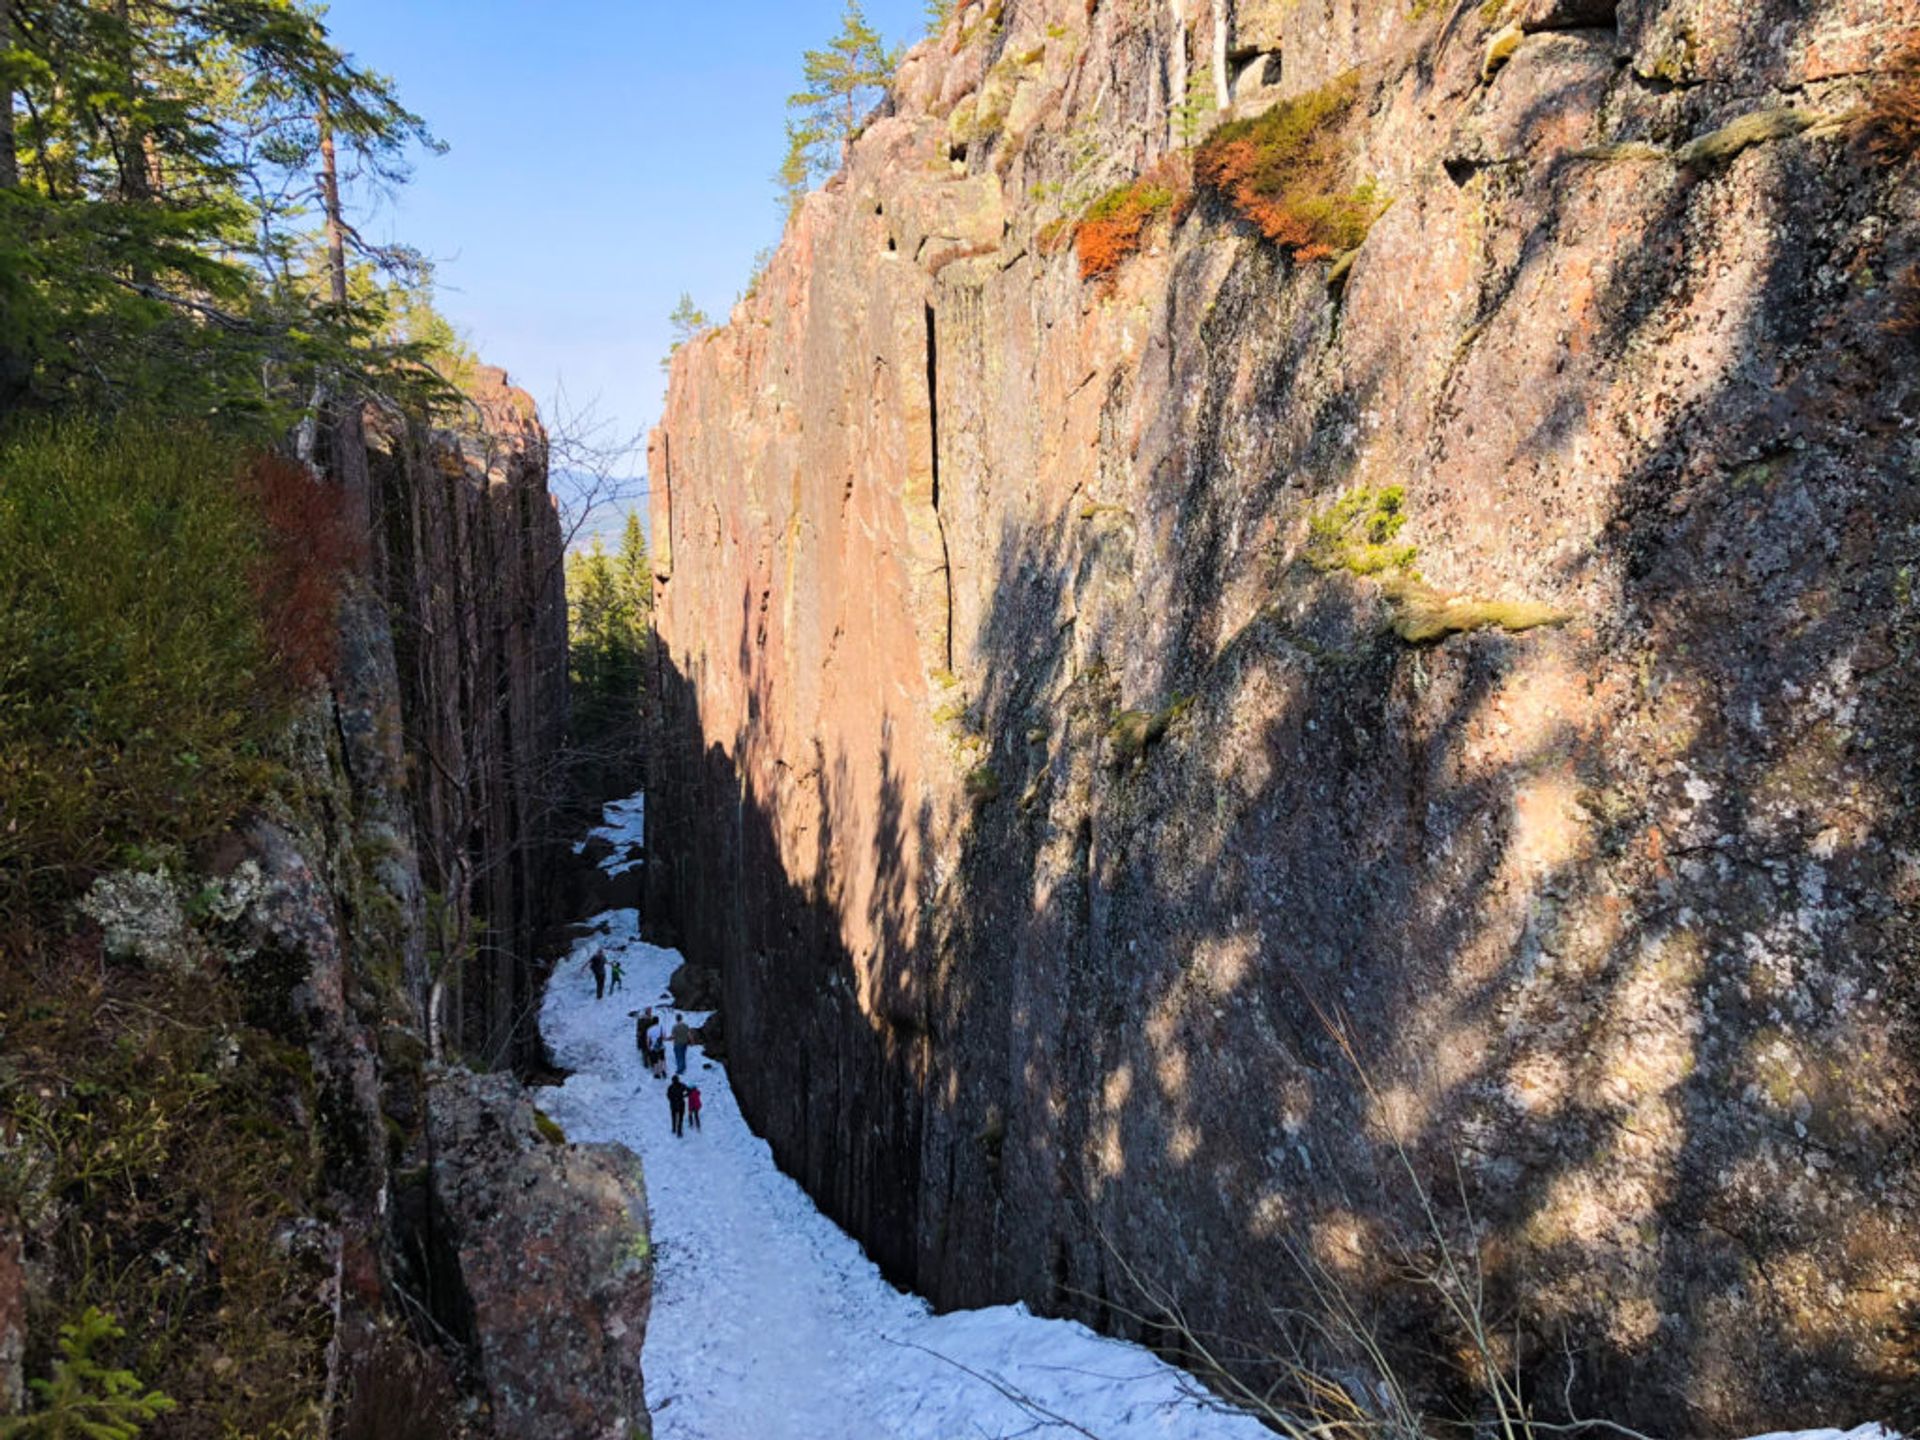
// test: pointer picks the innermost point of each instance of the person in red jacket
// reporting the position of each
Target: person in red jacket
(693, 1106)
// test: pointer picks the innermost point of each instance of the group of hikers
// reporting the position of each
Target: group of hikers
(602, 972)
(651, 1037)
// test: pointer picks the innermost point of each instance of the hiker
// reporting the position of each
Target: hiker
(682, 1037)
(677, 1104)
(642, 1037)
(598, 965)
(693, 1106)
(657, 1047)
(618, 976)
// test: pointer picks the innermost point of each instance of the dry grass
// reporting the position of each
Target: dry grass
(399, 1391)
(1905, 319)
(1891, 120)
(1286, 172)
(160, 1149)
(1422, 614)
(1359, 534)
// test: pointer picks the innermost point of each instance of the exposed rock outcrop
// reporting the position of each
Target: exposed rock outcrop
(471, 566)
(554, 1261)
(229, 1074)
(695, 987)
(1097, 871)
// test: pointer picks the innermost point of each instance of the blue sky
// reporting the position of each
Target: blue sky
(604, 157)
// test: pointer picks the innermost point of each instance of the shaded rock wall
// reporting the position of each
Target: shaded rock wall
(471, 567)
(1606, 929)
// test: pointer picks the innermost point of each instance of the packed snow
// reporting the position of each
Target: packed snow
(769, 1321)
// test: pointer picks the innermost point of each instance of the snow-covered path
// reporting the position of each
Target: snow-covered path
(769, 1322)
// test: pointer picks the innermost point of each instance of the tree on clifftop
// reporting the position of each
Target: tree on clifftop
(844, 81)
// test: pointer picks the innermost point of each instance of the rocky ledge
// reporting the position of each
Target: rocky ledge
(553, 1255)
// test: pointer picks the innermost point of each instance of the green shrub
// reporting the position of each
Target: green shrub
(1115, 225)
(982, 784)
(1358, 531)
(135, 687)
(1134, 732)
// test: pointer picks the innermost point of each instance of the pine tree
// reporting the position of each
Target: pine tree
(687, 320)
(160, 152)
(843, 82)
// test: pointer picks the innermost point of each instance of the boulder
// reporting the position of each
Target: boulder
(551, 1245)
(695, 987)
(712, 1036)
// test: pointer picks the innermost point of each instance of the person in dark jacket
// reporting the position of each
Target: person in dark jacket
(682, 1037)
(642, 1026)
(598, 965)
(677, 1104)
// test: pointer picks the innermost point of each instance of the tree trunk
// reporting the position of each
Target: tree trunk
(1177, 78)
(349, 427)
(330, 202)
(1221, 80)
(9, 156)
(132, 158)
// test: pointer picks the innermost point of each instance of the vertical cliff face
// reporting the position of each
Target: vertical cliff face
(471, 566)
(224, 1127)
(1101, 733)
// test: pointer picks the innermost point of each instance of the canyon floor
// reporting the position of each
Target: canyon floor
(770, 1321)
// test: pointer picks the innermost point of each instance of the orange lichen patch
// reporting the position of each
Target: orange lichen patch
(1115, 226)
(1285, 171)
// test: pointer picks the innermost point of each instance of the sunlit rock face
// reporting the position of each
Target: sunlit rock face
(549, 1261)
(1113, 904)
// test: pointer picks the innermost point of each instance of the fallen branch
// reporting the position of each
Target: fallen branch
(1026, 1402)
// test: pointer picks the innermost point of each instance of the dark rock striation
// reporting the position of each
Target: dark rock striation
(1126, 887)
(471, 567)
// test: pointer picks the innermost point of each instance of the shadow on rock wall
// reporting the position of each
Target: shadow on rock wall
(1277, 954)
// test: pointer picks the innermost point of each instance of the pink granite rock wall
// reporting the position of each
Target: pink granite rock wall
(1094, 877)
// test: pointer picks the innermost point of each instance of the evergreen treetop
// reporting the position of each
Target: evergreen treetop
(843, 81)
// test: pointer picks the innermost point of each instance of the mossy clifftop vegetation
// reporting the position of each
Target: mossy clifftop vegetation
(1286, 172)
(164, 595)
